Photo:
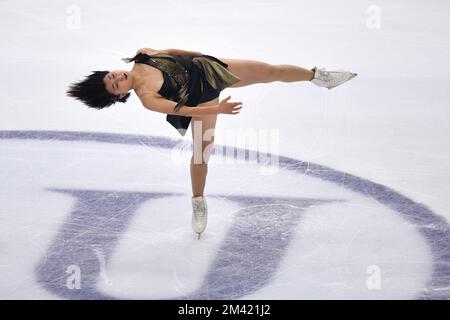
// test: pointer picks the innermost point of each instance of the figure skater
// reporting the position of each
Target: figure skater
(186, 85)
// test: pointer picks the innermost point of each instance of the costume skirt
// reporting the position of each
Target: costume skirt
(208, 77)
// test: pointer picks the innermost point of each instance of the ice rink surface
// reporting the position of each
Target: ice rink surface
(344, 195)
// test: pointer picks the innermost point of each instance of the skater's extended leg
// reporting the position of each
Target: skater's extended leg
(291, 73)
(252, 72)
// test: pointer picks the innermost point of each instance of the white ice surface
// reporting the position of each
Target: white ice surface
(389, 125)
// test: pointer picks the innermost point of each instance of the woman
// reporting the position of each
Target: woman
(186, 85)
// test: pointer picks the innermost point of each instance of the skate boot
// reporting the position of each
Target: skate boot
(331, 79)
(199, 214)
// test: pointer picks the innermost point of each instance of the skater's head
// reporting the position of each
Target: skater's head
(101, 89)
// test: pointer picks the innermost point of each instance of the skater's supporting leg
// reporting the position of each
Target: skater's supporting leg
(203, 142)
(198, 178)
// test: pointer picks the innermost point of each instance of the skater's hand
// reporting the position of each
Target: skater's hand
(228, 107)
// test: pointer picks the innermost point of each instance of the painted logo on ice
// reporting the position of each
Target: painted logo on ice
(99, 218)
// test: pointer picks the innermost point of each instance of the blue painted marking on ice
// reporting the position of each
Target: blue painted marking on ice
(97, 221)
(253, 247)
(434, 229)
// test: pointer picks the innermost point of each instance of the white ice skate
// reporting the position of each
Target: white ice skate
(331, 79)
(199, 214)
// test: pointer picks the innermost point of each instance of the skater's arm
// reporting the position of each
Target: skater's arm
(159, 104)
(162, 105)
(183, 52)
(151, 51)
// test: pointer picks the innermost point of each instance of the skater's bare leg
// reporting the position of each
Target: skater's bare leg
(198, 178)
(203, 142)
(252, 72)
(291, 73)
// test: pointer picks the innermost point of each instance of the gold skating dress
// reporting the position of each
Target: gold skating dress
(188, 80)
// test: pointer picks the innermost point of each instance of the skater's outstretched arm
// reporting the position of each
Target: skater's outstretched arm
(183, 52)
(151, 51)
(166, 106)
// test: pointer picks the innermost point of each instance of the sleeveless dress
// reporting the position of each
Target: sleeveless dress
(188, 80)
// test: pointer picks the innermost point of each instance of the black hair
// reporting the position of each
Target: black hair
(92, 91)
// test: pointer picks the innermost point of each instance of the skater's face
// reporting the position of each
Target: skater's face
(118, 82)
